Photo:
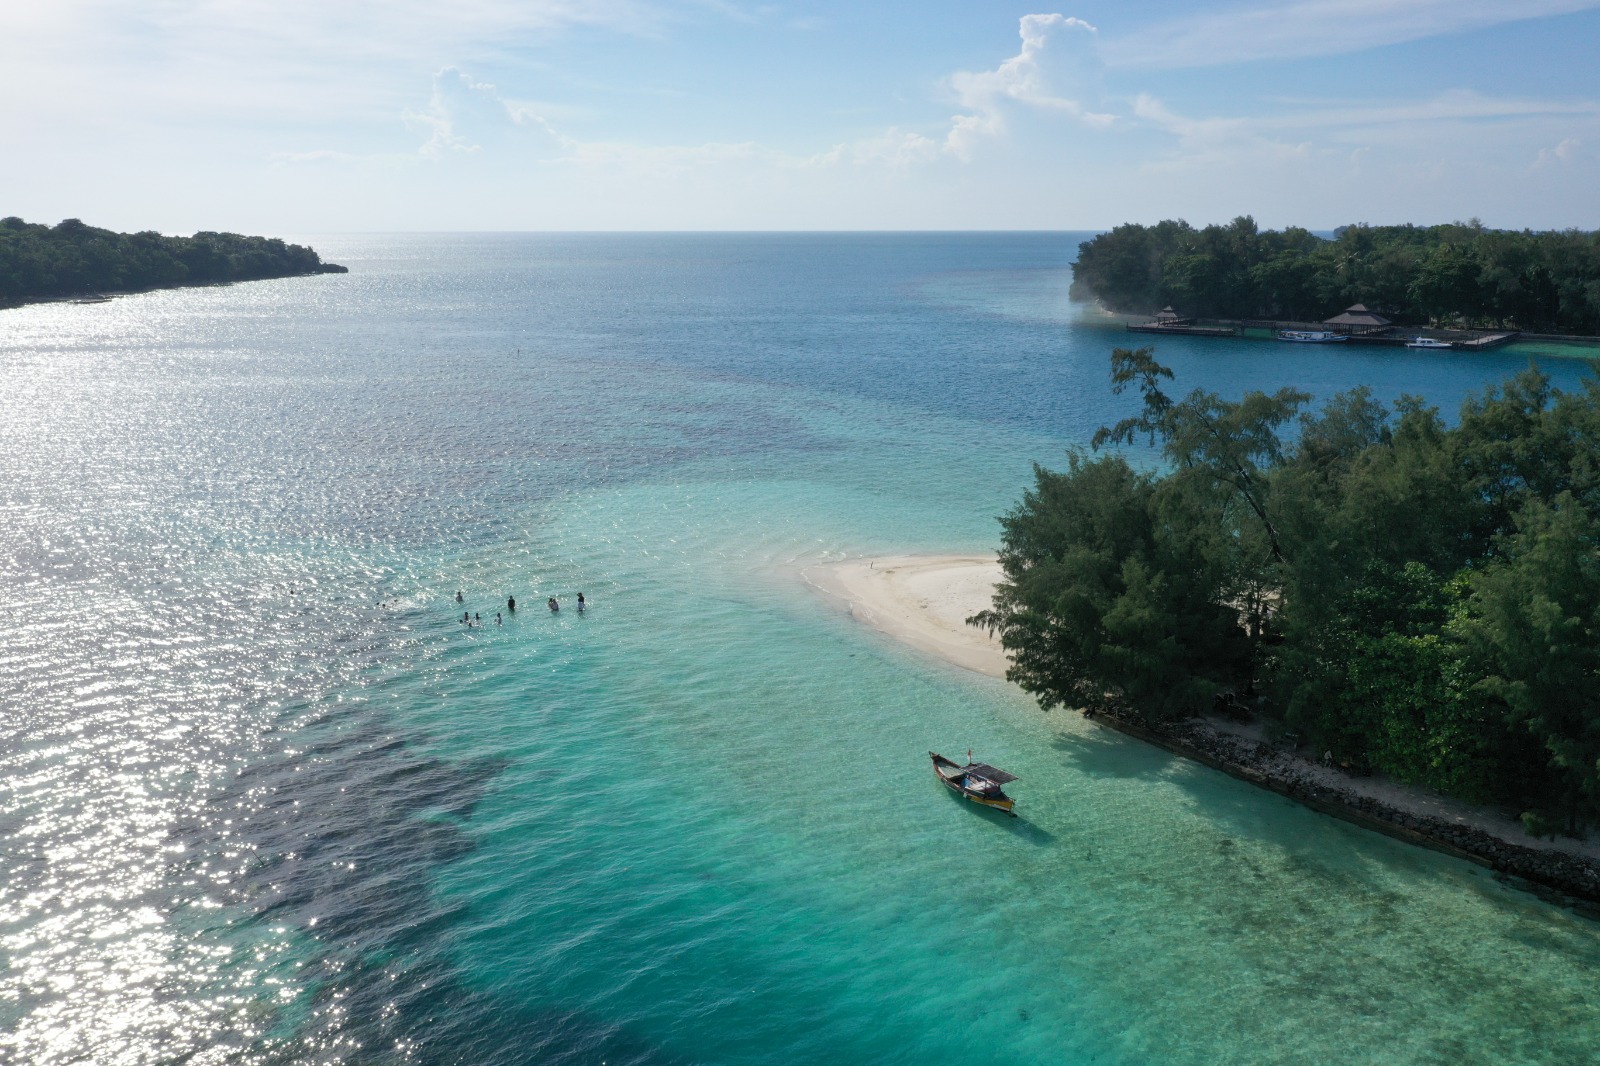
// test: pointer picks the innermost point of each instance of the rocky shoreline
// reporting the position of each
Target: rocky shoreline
(1566, 878)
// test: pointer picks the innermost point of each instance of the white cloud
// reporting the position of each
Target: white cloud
(1211, 141)
(683, 159)
(441, 120)
(1317, 28)
(350, 29)
(1562, 154)
(1454, 105)
(464, 115)
(273, 60)
(1057, 58)
(896, 149)
(1394, 122)
(1058, 55)
(1454, 154)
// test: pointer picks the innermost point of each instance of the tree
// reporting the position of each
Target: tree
(1415, 597)
(74, 259)
(1545, 281)
(1534, 626)
(1123, 590)
(1223, 444)
(1066, 552)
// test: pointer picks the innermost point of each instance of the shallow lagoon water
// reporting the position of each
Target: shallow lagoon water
(266, 799)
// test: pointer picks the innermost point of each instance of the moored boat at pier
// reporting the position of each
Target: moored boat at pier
(1310, 336)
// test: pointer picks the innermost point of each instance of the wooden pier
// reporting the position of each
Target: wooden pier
(1485, 342)
(1380, 336)
(1187, 331)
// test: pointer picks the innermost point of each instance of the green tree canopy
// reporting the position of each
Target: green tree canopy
(1542, 282)
(72, 259)
(1404, 594)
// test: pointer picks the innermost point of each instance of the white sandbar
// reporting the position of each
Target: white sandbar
(923, 600)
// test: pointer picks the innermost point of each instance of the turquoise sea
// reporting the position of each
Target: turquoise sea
(265, 799)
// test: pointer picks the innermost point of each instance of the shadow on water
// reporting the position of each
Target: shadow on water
(1030, 832)
(1019, 826)
(1104, 754)
(348, 834)
(1364, 857)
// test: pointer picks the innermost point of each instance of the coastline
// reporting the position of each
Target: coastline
(924, 600)
(107, 295)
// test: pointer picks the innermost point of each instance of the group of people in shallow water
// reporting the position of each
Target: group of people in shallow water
(471, 618)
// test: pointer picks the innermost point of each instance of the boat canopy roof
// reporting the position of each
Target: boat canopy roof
(989, 773)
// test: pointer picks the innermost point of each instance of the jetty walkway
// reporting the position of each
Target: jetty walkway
(1388, 336)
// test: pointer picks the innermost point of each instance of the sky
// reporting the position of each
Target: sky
(308, 116)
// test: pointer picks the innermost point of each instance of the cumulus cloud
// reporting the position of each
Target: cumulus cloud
(464, 114)
(1055, 72)
(1057, 67)
(440, 121)
(1561, 155)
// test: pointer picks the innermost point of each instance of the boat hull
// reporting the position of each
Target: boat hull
(951, 775)
(1307, 336)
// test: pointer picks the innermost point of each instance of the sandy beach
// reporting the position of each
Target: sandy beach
(924, 601)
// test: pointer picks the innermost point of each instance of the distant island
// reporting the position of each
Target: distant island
(71, 259)
(1461, 275)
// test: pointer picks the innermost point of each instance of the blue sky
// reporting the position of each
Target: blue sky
(301, 116)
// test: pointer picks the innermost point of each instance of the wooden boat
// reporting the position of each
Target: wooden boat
(977, 781)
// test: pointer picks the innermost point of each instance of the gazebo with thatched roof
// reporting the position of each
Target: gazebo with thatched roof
(1357, 317)
(1168, 317)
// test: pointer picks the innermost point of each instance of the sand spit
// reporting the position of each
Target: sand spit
(923, 600)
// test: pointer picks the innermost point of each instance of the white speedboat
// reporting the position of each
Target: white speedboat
(1427, 342)
(1310, 336)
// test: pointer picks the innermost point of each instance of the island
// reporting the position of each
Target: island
(71, 259)
(924, 600)
(1460, 275)
(1390, 618)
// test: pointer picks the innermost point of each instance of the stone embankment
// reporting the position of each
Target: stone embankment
(1282, 771)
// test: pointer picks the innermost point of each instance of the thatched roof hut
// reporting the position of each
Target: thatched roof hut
(1168, 317)
(1357, 316)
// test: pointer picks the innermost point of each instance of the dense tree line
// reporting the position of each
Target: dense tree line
(1456, 274)
(72, 259)
(1411, 596)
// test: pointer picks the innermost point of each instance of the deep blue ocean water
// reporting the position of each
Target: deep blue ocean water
(265, 799)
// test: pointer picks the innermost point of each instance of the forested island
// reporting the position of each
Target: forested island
(1460, 274)
(39, 262)
(1396, 593)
